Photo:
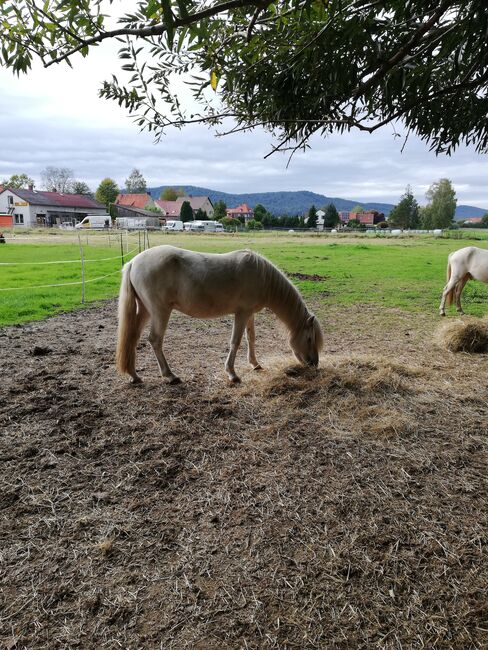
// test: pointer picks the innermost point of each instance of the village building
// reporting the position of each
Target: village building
(32, 208)
(141, 201)
(344, 216)
(472, 220)
(172, 209)
(370, 218)
(240, 211)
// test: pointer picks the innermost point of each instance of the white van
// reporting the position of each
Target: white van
(95, 221)
(173, 225)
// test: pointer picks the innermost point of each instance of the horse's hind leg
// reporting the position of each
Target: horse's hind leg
(156, 337)
(235, 340)
(458, 291)
(251, 344)
(450, 286)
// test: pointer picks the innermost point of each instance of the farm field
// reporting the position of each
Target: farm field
(407, 273)
(342, 508)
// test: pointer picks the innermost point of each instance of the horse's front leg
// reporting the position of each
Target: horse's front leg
(240, 321)
(156, 337)
(251, 344)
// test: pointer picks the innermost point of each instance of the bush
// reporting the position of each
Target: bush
(252, 224)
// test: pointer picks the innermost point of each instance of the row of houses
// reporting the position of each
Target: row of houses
(369, 218)
(31, 208)
(124, 203)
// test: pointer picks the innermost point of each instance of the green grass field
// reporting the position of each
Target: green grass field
(396, 273)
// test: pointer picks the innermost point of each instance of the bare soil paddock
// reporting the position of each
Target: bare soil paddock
(340, 509)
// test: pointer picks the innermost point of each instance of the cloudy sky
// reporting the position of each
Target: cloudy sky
(54, 117)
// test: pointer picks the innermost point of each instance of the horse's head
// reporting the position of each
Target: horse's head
(307, 341)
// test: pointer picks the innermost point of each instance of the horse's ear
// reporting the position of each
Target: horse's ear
(310, 319)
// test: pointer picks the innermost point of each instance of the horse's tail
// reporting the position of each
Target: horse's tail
(450, 293)
(131, 319)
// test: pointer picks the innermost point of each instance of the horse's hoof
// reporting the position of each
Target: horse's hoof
(174, 381)
(235, 380)
(135, 380)
(258, 367)
(442, 313)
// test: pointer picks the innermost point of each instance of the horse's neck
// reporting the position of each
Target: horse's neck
(287, 304)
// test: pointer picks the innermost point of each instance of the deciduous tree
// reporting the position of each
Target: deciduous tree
(18, 182)
(296, 67)
(171, 194)
(107, 191)
(57, 179)
(136, 183)
(442, 203)
(80, 187)
(220, 210)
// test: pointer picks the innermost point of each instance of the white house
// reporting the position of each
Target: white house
(31, 208)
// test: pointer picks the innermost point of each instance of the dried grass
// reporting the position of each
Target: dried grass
(464, 335)
(339, 508)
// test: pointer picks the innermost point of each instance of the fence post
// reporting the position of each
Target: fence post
(127, 241)
(82, 271)
(121, 250)
(139, 238)
(147, 237)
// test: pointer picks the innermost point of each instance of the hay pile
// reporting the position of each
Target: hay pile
(465, 335)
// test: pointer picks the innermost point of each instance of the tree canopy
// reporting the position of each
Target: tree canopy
(171, 194)
(18, 182)
(107, 191)
(296, 67)
(442, 204)
(331, 217)
(57, 179)
(136, 183)
(407, 213)
(186, 212)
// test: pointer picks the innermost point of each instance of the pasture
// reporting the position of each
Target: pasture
(406, 273)
(344, 508)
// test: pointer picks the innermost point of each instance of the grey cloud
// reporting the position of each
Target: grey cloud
(356, 165)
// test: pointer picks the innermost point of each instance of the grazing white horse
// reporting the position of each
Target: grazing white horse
(463, 265)
(205, 285)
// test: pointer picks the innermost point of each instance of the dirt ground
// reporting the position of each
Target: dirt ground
(340, 509)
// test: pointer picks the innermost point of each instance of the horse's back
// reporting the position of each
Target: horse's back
(470, 260)
(198, 284)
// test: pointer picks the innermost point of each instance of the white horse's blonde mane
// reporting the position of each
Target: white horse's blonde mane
(283, 296)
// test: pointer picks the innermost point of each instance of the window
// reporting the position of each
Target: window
(10, 200)
(19, 218)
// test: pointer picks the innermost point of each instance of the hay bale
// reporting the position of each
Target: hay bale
(465, 335)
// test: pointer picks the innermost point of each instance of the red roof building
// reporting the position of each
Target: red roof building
(173, 208)
(134, 200)
(242, 210)
(370, 218)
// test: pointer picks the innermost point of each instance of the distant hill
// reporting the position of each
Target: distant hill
(299, 202)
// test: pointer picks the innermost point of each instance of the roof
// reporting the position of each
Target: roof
(169, 208)
(196, 202)
(133, 200)
(240, 208)
(137, 212)
(56, 199)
